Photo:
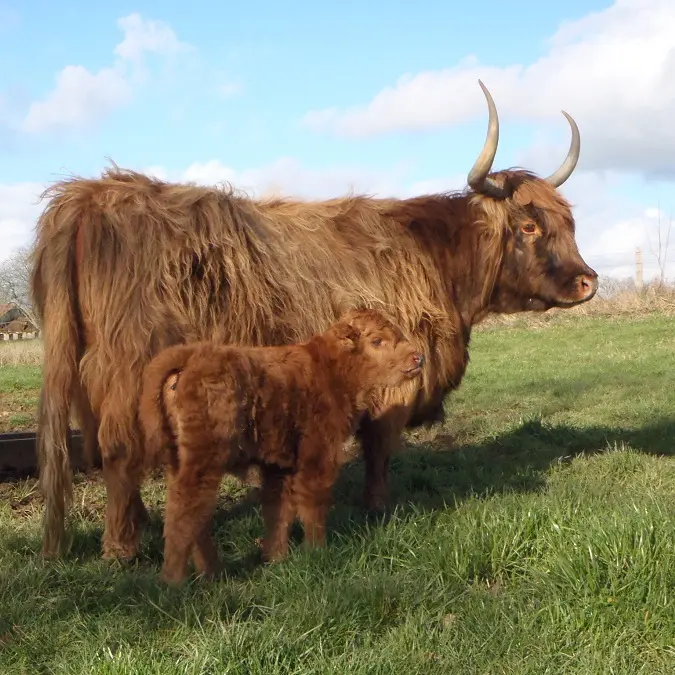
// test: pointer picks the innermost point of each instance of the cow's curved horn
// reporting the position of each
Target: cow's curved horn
(477, 178)
(558, 177)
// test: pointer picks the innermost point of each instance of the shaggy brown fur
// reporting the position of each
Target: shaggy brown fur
(126, 265)
(207, 409)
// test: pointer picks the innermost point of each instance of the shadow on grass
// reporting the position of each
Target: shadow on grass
(422, 478)
(430, 477)
(427, 478)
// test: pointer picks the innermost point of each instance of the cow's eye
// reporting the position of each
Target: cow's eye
(376, 342)
(529, 228)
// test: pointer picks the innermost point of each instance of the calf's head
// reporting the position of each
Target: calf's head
(379, 352)
(540, 263)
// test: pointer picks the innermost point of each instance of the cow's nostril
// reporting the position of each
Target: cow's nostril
(587, 284)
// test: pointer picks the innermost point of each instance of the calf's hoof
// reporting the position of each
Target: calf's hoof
(210, 572)
(172, 577)
(269, 556)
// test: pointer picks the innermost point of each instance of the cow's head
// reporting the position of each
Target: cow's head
(541, 266)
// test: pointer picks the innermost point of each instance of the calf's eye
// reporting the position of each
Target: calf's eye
(529, 228)
(376, 342)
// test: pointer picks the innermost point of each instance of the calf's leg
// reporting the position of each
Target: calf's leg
(191, 499)
(312, 491)
(204, 553)
(278, 512)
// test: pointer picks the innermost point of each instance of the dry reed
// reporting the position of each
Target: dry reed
(615, 299)
(21, 353)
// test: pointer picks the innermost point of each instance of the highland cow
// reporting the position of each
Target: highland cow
(208, 409)
(126, 265)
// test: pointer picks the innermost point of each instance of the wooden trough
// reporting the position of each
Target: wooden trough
(18, 454)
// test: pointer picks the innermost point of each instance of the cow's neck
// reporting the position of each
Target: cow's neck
(474, 260)
(447, 228)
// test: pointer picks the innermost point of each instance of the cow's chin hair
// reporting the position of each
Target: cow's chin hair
(536, 303)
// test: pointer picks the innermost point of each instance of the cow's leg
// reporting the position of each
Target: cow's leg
(379, 437)
(278, 512)
(191, 499)
(87, 423)
(125, 511)
(121, 449)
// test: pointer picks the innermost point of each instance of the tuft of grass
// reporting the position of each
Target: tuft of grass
(532, 532)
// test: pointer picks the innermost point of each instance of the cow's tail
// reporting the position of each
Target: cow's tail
(53, 289)
(152, 410)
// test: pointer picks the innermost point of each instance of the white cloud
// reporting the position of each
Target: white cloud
(434, 185)
(147, 37)
(208, 173)
(288, 176)
(614, 249)
(157, 172)
(19, 209)
(81, 98)
(610, 226)
(613, 70)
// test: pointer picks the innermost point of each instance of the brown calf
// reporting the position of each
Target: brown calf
(207, 409)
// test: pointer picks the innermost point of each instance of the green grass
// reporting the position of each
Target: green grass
(19, 391)
(533, 533)
(15, 378)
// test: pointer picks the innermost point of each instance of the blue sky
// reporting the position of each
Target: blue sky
(207, 90)
(288, 59)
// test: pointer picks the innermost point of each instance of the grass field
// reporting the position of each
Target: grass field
(533, 533)
(19, 384)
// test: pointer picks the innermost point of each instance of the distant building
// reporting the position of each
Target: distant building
(14, 320)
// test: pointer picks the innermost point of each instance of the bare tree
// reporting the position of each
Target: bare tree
(612, 286)
(15, 282)
(662, 253)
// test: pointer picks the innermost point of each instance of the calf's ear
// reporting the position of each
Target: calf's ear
(347, 335)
